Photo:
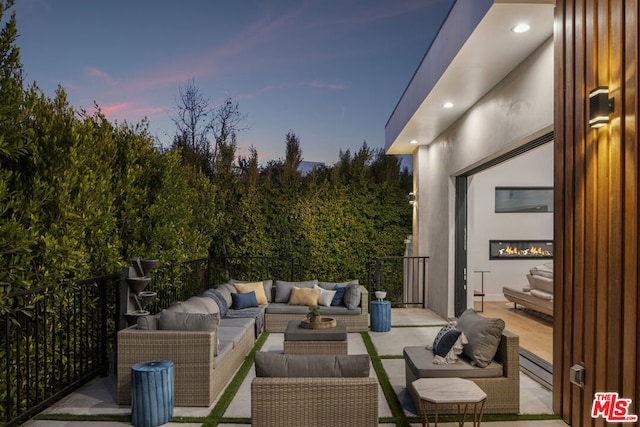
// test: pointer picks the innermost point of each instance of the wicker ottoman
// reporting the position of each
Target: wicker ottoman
(298, 340)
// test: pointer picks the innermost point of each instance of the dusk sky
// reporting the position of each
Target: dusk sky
(331, 71)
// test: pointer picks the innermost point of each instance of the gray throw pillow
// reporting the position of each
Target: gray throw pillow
(148, 322)
(283, 289)
(270, 364)
(352, 295)
(484, 335)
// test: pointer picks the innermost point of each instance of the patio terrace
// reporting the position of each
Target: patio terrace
(94, 404)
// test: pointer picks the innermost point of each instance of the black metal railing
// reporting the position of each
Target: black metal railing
(56, 338)
(404, 279)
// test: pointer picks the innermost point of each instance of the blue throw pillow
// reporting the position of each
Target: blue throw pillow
(442, 347)
(339, 296)
(247, 300)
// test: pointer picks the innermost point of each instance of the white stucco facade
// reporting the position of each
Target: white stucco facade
(517, 110)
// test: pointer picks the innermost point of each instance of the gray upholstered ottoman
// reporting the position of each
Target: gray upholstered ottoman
(298, 340)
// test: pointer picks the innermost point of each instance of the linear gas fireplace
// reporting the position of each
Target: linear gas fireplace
(520, 249)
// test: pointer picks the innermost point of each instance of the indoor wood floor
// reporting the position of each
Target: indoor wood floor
(536, 333)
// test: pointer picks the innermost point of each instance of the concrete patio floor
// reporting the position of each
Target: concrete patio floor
(98, 397)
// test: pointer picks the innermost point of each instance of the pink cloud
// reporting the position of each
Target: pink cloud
(128, 111)
(101, 75)
(314, 84)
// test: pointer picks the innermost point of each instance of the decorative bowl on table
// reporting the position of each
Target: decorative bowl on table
(381, 295)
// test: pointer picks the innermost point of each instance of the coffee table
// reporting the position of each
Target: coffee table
(298, 340)
(455, 391)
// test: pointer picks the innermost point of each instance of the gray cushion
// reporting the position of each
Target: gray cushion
(283, 289)
(229, 333)
(352, 295)
(282, 365)
(484, 335)
(419, 360)
(330, 285)
(226, 293)
(175, 321)
(200, 305)
(148, 322)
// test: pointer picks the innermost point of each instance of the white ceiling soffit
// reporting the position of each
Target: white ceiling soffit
(480, 49)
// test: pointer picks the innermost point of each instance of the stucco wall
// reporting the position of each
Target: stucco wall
(518, 109)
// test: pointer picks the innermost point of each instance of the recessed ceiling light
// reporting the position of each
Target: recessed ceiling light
(447, 104)
(521, 28)
(413, 141)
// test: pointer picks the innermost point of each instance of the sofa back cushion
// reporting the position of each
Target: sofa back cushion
(484, 335)
(541, 283)
(176, 321)
(270, 364)
(199, 305)
(283, 289)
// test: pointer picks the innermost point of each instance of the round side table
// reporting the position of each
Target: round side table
(380, 316)
(152, 393)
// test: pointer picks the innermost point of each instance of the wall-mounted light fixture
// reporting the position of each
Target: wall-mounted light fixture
(600, 106)
(412, 198)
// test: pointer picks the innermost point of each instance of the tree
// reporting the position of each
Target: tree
(225, 125)
(193, 126)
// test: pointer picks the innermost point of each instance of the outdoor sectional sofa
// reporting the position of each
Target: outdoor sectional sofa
(208, 336)
(204, 360)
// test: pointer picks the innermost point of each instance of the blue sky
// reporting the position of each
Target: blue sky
(331, 71)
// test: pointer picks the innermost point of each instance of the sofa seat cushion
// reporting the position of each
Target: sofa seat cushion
(420, 361)
(224, 348)
(240, 322)
(541, 294)
(230, 333)
(270, 364)
(282, 308)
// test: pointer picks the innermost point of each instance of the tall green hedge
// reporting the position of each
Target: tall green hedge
(80, 195)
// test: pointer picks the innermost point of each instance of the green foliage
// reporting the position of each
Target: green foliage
(80, 196)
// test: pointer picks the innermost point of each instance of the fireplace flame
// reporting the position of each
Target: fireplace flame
(530, 251)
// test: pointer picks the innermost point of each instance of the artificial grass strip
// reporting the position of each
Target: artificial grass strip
(216, 415)
(399, 417)
(439, 325)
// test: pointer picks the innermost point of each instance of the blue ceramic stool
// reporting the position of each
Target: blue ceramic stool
(380, 316)
(152, 393)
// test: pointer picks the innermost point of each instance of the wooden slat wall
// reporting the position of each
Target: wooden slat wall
(596, 207)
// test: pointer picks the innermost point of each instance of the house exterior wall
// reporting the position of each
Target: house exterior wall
(518, 109)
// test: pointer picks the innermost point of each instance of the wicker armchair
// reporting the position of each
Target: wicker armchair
(327, 402)
(319, 390)
(503, 393)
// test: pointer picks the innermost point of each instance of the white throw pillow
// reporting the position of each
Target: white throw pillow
(325, 297)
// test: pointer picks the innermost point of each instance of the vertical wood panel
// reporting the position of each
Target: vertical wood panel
(597, 179)
(631, 317)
